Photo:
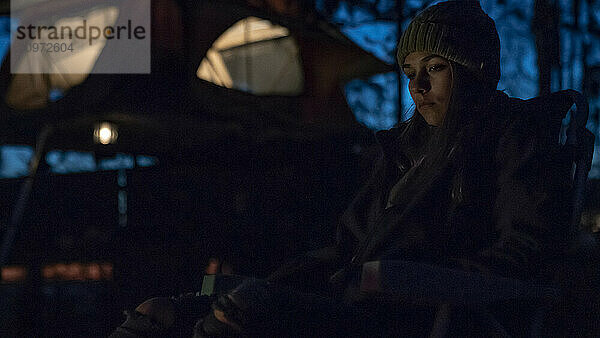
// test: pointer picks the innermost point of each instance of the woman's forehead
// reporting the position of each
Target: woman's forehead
(415, 58)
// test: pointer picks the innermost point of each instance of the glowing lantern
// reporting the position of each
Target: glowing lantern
(105, 133)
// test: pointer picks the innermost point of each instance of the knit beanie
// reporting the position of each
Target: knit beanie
(459, 31)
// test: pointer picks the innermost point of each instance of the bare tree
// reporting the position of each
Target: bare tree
(545, 27)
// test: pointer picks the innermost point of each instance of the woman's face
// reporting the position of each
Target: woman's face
(430, 84)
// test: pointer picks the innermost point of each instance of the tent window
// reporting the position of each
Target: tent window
(255, 56)
(34, 91)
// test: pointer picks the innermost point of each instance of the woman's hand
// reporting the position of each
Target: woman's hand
(216, 324)
(220, 315)
(244, 309)
(159, 309)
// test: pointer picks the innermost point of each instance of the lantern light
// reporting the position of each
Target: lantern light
(105, 133)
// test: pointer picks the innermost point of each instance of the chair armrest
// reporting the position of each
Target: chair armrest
(429, 284)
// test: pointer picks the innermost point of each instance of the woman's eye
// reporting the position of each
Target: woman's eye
(410, 76)
(436, 68)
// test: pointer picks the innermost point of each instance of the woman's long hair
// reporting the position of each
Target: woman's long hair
(457, 145)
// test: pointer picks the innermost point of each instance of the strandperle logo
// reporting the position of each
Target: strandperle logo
(81, 37)
(83, 32)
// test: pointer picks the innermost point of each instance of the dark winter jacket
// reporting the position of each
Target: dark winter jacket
(508, 213)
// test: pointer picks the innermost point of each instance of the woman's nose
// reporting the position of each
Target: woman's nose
(421, 82)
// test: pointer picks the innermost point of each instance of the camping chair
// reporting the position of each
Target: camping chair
(448, 288)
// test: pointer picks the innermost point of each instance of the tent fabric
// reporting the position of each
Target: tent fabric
(38, 74)
(255, 56)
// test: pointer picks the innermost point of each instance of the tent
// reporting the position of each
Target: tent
(304, 89)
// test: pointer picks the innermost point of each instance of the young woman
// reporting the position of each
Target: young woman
(468, 183)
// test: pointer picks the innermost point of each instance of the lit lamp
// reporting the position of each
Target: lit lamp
(105, 133)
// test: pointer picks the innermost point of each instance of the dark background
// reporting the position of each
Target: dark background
(249, 180)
